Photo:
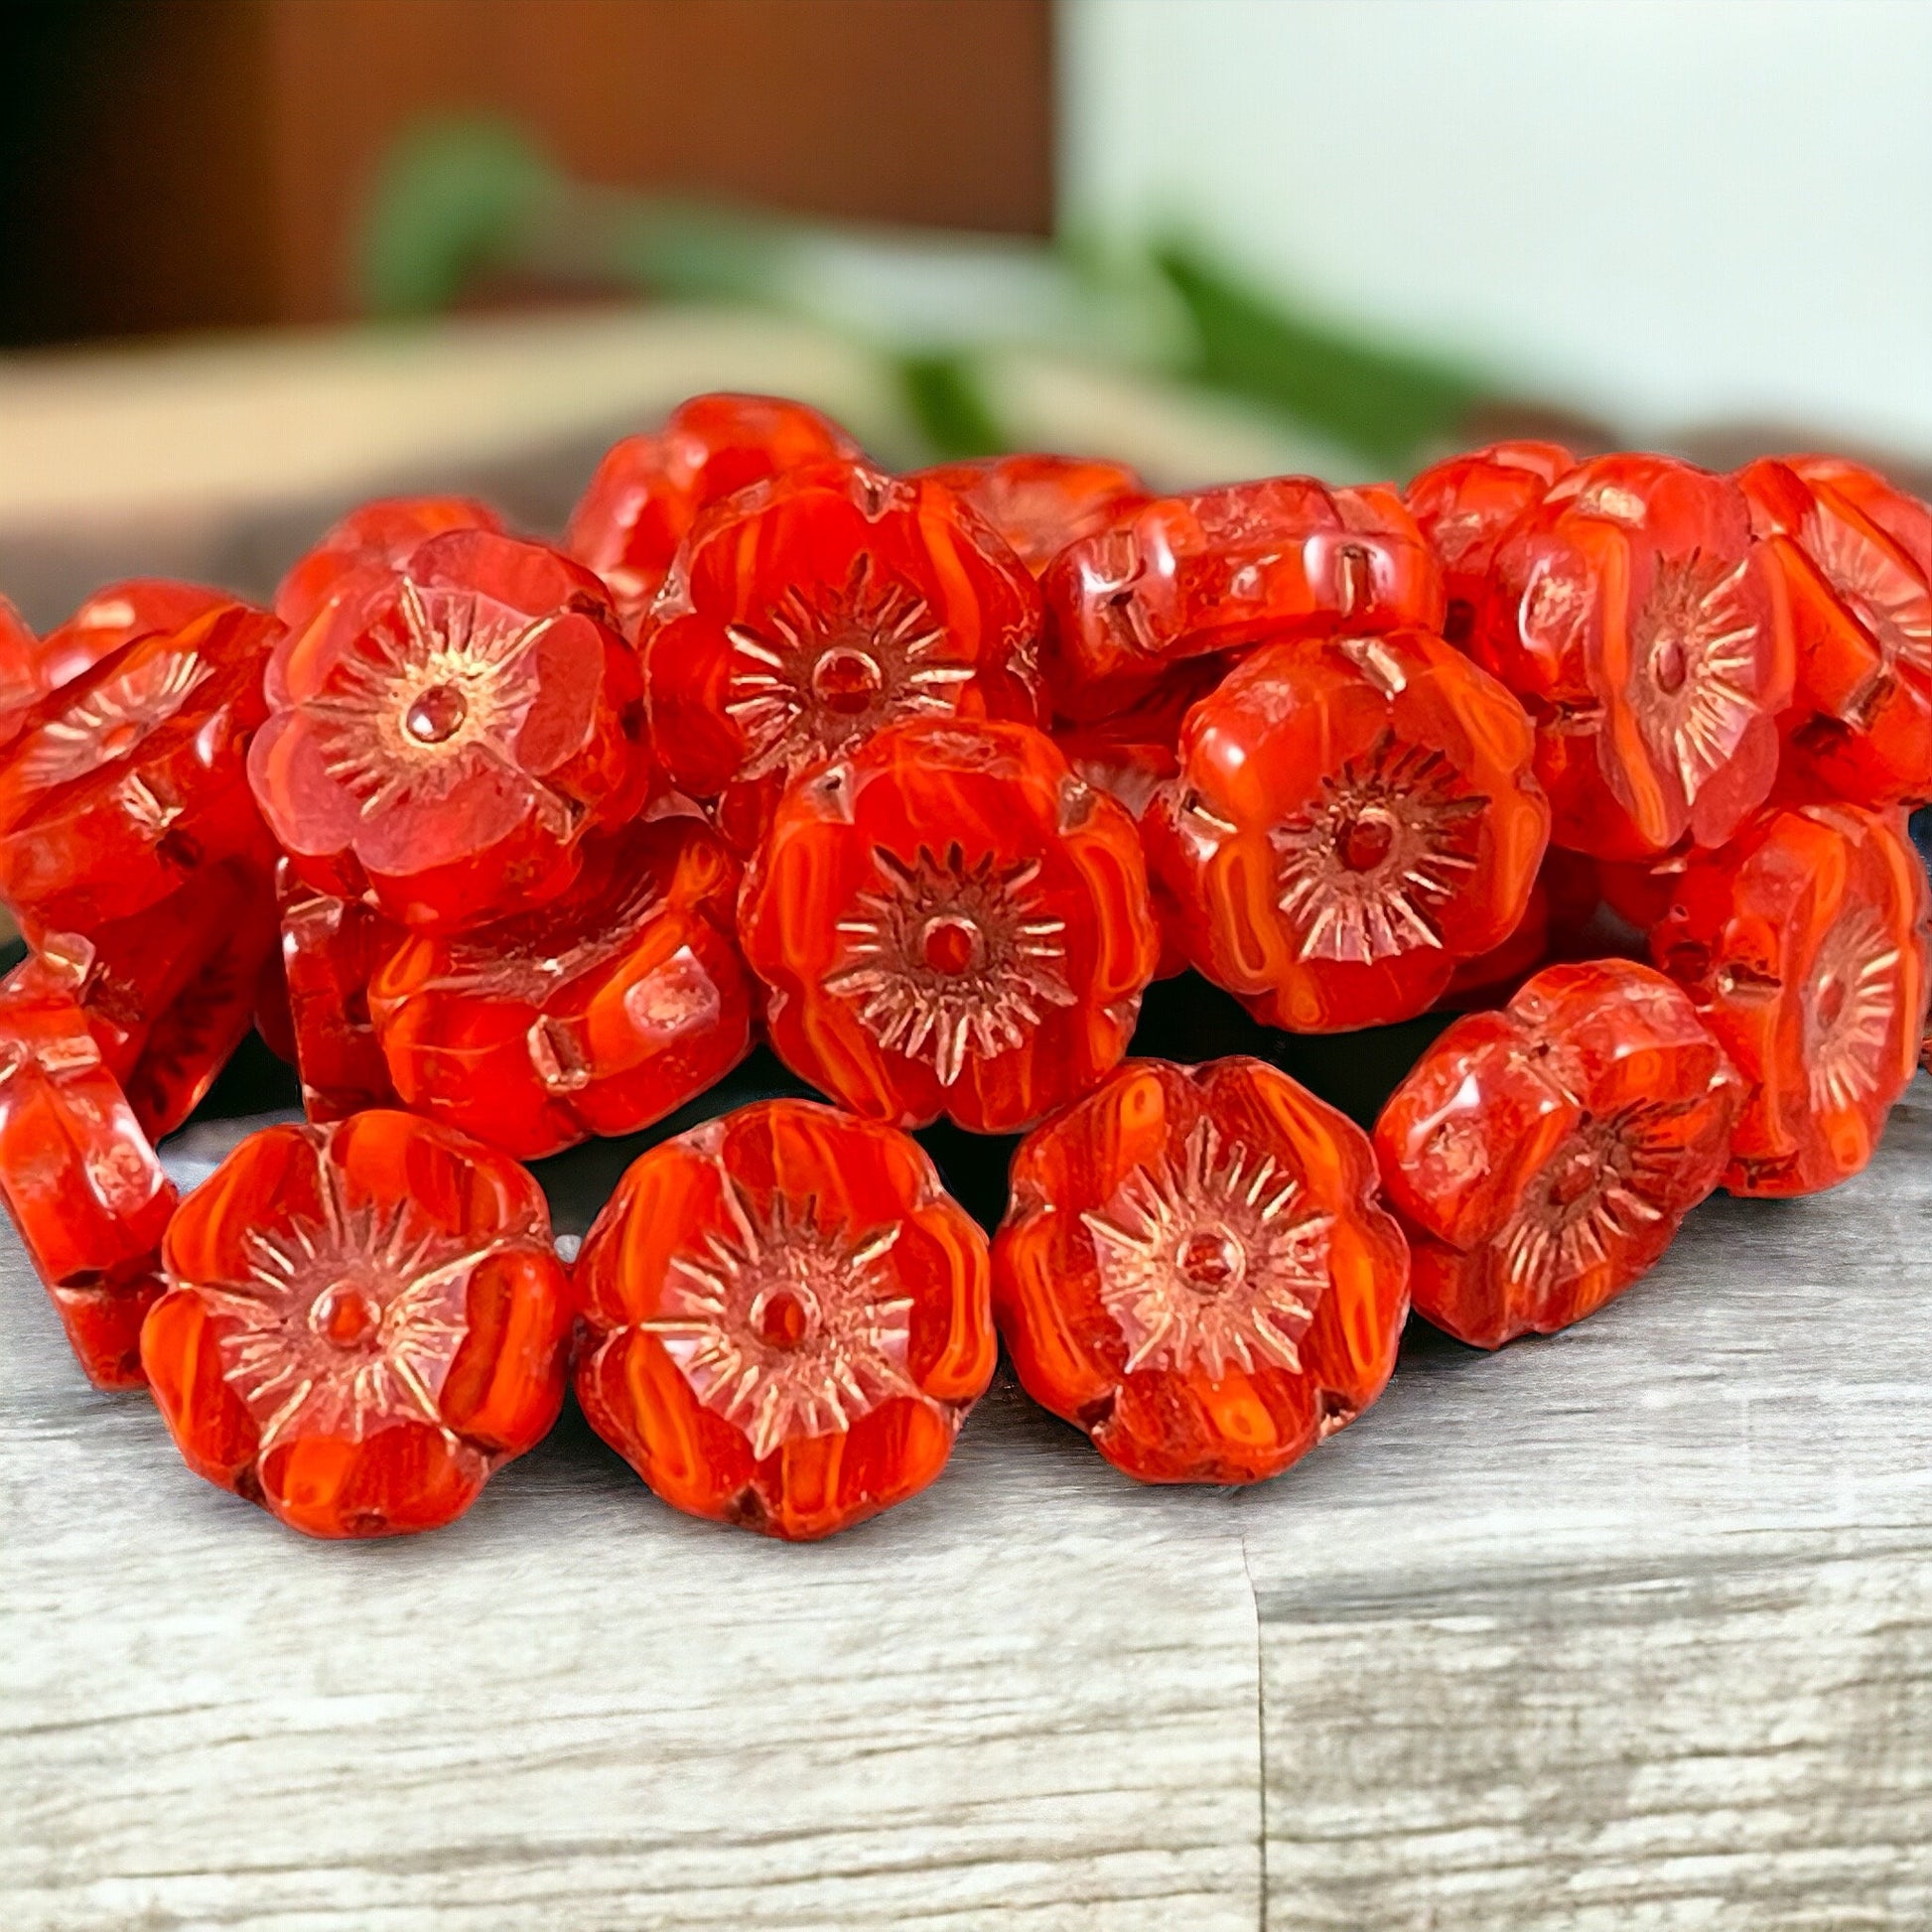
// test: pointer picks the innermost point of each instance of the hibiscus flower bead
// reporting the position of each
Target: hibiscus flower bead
(362, 1322)
(1193, 1269)
(331, 949)
(597, 1013)
(1634, 616)
(786, 1319)
(379, 536)
(1041, 504)
(80, 1177)
(1854, 561)
(1803, 945)
(812, 611)
(648, 489)
(1544, 1157)
(1469, 505)
(1224, 570)
(1353, 818)
(120, 784)
(948, 921)
(443, 739)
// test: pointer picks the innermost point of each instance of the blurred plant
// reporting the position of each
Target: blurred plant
(462, 203)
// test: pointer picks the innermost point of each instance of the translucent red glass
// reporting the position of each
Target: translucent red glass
(1194, 1270)
(786, 1319)
(362, 1322)
(331, 949)
(375, 537)
(1041, 504)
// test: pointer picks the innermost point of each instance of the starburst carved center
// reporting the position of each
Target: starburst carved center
(1204, 1264)
(950, 959)
(115, 719)
(829, 665)
(431, 698)
(1892, 603)
(343, 1324)
(786, 1329)
(1363, 870)
(1693, 655)
(1850, 1003)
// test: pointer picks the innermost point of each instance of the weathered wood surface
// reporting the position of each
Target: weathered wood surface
(1631, 1628)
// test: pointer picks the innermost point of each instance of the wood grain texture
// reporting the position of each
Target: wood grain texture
(1632, 1628)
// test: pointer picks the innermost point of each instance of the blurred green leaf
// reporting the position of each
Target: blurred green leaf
(946, 399)
(456, 198)
(1383, 402)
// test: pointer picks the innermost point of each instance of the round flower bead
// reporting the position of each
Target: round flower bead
(786, 1319)
(812, 611)
(1041, 504)
(947, 920)
(648, 489)
(1354, 817)
(1804, 945)
(1545, 1155)
(120, 784)
(442, 737)
(362, 1322)
(1854, 561)
(1469, 505)
(1223, 570)
(1633, 614)
(597, 1013)
(378, 536)
(1193, 1269)
(77, 1175)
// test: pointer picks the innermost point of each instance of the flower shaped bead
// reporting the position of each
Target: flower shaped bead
(599, 1014)
(1223, 570)
(1545, 1155)
(1803, 945)
(648, 489)
(120, 784)
(79, 1175)
(787, 1319)
(1634, 616)
(1353, 818)
(378, 536)
(812, 611)
(363, 1322)
(1193, 1270)
(1854, 560)
(442, 737)
(1041, 504)
(1469, 505)
(948, 921)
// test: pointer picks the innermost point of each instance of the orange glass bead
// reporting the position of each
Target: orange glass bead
(1353, 818)
(1469, 505)
(648, 489)
(121, 784)
(378, 536)
(597, 1013)
(811, 612)
(79, 1175)
(1193, 1269)
(1633, 614)
(1223, 570)
(786, 1319)
(331, 949)
(949, 921)
(1041, 504)
(443, 738)
(362, 1322)
(1854, 561)
(1545, 1155)
(1804, 946)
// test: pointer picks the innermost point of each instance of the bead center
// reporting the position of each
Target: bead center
(782, 1317)
(1367, 841)
(846, 680)
(1668, 666)
(1828, 999)
(347, 1315)
(436, 715)
(1574, 1174)
(1209, 1259)
(951, 944)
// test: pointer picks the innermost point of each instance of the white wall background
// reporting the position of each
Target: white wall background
(1675, 211)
